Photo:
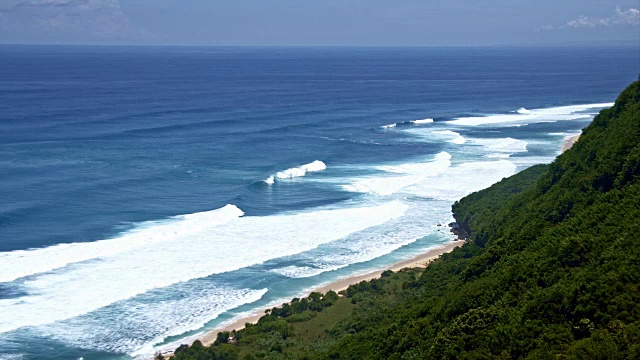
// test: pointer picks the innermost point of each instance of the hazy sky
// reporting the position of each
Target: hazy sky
(319, 22)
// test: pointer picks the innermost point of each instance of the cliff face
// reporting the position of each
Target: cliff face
(550, 270)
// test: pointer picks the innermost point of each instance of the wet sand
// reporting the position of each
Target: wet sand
(569, 141)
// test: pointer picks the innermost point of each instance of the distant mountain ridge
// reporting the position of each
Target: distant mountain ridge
(550, 270)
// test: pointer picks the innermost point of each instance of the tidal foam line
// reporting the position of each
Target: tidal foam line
(524, 116)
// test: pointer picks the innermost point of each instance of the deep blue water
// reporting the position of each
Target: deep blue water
(112, 143)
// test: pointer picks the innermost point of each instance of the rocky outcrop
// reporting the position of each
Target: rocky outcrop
(458, 230)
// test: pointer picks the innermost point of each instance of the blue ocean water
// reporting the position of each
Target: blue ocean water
(149, 194)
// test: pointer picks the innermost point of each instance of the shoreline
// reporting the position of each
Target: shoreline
(569, 141)
(419, 261)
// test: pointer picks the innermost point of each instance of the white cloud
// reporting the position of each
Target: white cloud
(630, 17)
(72, 20)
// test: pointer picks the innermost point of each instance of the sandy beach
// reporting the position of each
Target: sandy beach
(569, 141)
(418, 261)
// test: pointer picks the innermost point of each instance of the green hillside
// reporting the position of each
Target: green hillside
(550, 270)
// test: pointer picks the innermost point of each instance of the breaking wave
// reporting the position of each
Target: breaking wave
(423, 121)
(296, 171)
(406, 123)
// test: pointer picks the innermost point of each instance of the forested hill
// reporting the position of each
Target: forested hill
(551, 270)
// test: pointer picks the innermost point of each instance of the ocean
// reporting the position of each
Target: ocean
(152, 193)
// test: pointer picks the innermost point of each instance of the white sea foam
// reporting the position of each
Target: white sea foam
(298, 272)
(409, 174)
(206, 250)
(463, 179)
(452, 136)
(436, 179)
(296, 171)
(423, 121)
(134, 327)
(501, 147)
(270, 180)
(524, 116)
(11, 356)
(411, 122)
(21, 263)
(434, 166)
(419, 221)
(431, 135)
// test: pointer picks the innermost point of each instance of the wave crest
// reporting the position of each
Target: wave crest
(406, 123)
(21, 263)
(296, 171)
(423, 121)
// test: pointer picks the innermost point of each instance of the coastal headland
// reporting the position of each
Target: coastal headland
(419, 261)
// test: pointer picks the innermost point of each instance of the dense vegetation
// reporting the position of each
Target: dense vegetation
(550, 270)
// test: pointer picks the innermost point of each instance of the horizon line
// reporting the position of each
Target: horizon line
(552, 44)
